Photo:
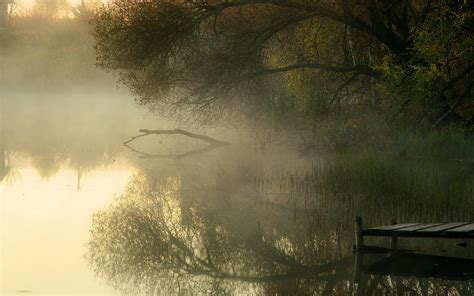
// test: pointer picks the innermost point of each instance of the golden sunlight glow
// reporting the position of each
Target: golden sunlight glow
(44, 229)
(28, 4)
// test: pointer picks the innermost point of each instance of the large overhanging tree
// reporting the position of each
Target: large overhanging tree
(207, 57)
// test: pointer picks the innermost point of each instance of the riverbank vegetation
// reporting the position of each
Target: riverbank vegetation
(296, 59)
(375, 83)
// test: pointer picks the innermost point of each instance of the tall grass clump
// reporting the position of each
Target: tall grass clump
(444, 145)
(429, 176)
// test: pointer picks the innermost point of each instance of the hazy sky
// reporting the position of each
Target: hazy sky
(29, 3)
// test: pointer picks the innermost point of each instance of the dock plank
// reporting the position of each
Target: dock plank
(393, 227)
(443, 227)
(453, 230)
(432, 230)
(465, 228)
(418, 227)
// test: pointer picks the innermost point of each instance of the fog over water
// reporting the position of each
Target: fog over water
(50, 137)
(63, 139)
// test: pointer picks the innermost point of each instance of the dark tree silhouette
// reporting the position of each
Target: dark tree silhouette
(207, 58)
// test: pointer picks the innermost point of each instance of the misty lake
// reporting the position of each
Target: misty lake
(83, 215)
(249, 170)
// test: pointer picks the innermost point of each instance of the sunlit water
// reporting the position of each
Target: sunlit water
(45, 226)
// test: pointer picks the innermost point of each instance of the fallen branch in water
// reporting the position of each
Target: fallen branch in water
(213, 143)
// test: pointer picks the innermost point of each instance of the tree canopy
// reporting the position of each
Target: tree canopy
(211, 57)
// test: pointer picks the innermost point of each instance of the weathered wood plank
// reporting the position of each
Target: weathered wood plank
(436, 234)
(443, 227)
(432, 230)
(465, 228)
(394, 227)
(417, 227)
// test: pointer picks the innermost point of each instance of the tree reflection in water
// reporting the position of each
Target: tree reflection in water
(161, 237)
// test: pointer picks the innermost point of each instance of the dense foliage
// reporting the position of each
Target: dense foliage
(211, 58)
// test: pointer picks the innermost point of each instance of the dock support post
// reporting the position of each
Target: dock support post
(359, 235)
(394, 239)
(359, 280)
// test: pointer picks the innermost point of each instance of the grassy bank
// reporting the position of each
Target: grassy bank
(420, 178)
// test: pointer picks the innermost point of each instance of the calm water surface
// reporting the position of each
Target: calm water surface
(45, 225)
(76, 203)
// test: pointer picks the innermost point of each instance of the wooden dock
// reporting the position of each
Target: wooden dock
(406, 262)
(459, 230)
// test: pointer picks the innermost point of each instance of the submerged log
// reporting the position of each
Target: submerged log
(213, 143)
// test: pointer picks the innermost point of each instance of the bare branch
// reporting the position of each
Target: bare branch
(213, 143)
(359, 69)
(458, 102)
